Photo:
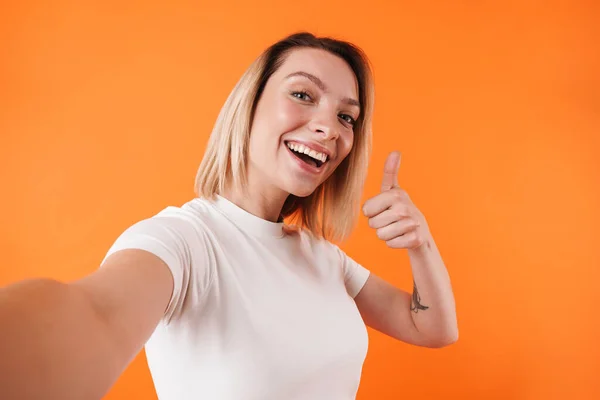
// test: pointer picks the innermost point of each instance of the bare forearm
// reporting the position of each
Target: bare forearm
(52, 345)
(432, 306)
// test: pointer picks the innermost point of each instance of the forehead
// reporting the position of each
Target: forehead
(335, 73)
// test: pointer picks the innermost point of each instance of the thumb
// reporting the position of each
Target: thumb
(390, 171)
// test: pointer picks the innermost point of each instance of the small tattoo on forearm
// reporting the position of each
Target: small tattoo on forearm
(416, 300)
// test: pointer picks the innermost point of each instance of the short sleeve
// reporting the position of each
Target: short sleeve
(172, 238)
(355, 275)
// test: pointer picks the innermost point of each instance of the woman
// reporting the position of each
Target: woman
(230, 302)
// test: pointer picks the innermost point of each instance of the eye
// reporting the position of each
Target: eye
(348, 119)
(302, 95)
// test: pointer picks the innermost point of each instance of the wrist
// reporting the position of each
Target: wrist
(423, 248)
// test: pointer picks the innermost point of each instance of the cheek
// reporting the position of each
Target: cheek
(345, 143)
(289, 114)
(344, 146)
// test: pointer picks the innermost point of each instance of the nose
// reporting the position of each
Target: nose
(325, 125)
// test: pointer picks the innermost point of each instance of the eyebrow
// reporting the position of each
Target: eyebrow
(321, 85)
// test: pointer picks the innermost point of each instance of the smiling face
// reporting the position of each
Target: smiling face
(303, 124)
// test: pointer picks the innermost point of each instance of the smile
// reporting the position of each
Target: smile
(307, 155)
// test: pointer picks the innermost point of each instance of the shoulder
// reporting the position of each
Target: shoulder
(177, 228)
(196, 209)
(312, 242)
(195, 214)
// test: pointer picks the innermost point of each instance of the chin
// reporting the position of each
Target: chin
(302, 191)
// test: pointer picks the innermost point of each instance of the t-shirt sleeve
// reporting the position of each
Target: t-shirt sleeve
(355, 275)
(181, 246)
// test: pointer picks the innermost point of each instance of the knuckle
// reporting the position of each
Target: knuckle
(397, 193)
(401, 211)
(403, 228)
(397, 214)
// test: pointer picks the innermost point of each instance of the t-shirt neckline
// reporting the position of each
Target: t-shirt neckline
(247, 221)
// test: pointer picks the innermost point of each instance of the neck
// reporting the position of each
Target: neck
(261, 200)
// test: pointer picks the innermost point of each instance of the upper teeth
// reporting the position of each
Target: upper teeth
(300, 148)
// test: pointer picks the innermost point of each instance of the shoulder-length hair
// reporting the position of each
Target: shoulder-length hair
(332, 210)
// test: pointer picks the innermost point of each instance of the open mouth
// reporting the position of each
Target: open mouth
(307, 155)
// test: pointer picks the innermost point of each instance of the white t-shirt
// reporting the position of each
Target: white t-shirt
(258, 312)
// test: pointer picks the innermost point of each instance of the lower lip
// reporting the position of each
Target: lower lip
(306, 167)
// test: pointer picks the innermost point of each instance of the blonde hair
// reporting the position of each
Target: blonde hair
(332, 209)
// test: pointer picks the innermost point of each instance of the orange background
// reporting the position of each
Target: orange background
(106, 108)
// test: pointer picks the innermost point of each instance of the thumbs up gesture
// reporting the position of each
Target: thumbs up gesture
(392, 213)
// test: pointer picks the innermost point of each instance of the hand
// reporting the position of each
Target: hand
(392, 213)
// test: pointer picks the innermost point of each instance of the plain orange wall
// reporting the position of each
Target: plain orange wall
(105, 109)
